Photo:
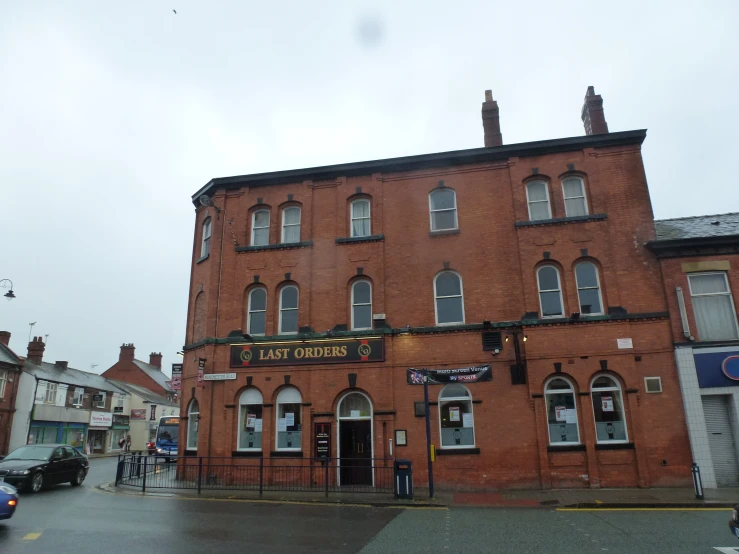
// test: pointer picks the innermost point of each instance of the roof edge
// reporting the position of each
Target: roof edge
(425, 161)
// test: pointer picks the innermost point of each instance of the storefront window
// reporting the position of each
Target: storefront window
(288, 419)
(43, 435)
(561, 412)
(608, 409)
(115, 437)
(250, 420)
(74, 436)
(455, 413)
(193, 422)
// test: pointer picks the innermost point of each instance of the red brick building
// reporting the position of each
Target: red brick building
(521, 268)
(10, 369)
(130, 370)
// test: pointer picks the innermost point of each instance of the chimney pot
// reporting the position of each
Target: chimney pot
(593, 118)
(155, 359)
(488, 96)
(491, 121)
(128, 351)
(5, 337)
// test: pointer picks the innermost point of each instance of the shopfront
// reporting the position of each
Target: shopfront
(54, 432)
(100, 427)
(119, 430)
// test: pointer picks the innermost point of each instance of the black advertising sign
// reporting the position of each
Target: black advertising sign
(308, 352)
(473, 374)
(322, 436)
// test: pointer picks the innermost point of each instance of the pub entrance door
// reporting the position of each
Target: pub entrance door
(355, 440)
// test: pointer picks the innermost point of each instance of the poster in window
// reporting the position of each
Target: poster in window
(607, 403)
(250, 419)
(356, 413)
(258, 426)
(401, 437)
(454, 413)
(559, 412)
(467, 420)
(281, 425)
(570, 416)
(290, 419)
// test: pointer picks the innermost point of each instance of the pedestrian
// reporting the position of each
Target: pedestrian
(122, 443)
(128, 443)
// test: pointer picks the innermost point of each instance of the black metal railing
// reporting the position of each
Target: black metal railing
(259, 474)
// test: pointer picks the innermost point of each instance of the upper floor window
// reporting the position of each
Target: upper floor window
(574, 193)
(50, 397)
(3, 381)
(537, 194)
(260, 228)
(713, 305)
(361, 305)
(550, 291)
(256, 323)
(360, 218)
(588, 289)
(119, 402)
(443, 209)
(291, 224)
(205, 246)
(101, 402)
(608, 409)
(289, 310)
(561, 412)
(79, 393)
(449, 298)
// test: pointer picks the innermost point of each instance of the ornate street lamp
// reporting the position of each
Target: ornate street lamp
(10, 294)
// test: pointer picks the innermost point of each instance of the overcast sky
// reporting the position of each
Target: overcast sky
(113, 114)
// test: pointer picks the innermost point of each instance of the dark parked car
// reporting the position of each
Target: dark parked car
(35, 466)
(8, 501)
(734, 521)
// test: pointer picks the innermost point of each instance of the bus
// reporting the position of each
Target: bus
(168, 432)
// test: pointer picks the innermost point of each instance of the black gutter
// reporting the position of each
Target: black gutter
(425, 161)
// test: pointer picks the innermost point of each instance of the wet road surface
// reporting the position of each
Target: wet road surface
(85, 520)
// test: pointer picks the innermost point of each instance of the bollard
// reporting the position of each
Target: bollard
(697, 482)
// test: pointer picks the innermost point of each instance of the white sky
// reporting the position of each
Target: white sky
(113, 114)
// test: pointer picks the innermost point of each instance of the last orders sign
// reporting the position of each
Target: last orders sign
(308, 352)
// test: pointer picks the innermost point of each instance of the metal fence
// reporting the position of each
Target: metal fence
(365, 475)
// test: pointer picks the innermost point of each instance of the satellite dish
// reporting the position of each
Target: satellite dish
(205, 200)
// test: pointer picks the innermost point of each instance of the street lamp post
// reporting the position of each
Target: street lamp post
(10, 294)
(425, 374)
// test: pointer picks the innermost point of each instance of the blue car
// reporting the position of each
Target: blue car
(8, 501)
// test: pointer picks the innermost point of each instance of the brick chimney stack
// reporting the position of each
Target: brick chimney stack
(155, 359)
(491, 121)
(5, 338)
(36, 350)
(127, 352)
(593, 117)
(61, 365)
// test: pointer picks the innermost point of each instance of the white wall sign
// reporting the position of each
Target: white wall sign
(467, 420)
(570, 416)
(625, 343)
(219, 376)
(101, 419)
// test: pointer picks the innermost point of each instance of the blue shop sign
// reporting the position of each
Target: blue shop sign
(717, 369)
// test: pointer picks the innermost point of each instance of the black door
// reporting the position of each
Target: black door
(355, 442)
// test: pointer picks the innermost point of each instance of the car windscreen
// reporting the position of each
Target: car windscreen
(168, 433)
(31, 453)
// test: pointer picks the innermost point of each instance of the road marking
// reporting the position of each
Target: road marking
(643, 510)
(726, 549)
(31, 536)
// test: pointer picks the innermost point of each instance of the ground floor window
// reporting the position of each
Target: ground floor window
(74, 436)
(608, 410)
(193, 423)
(115, 438)
(289, 426)
(455, 413)
(250, 420)
(561, 412)
(96, 442)
(43, 435)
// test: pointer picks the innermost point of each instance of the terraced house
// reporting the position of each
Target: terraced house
(517, 275)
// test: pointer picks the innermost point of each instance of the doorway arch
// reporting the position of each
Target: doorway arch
(354, 439)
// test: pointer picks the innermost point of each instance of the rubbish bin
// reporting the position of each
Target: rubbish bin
(403, 479)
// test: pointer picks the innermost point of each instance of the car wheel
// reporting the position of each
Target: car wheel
(37, 482)
(78, 478)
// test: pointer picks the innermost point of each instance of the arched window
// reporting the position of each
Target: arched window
(355, 405)
(288, 419)
(573, 189)
(588, 288)
(443, 209)
(449, 298)
(291, 224)
(193, 422)
(360, 218)
(205, 245)
(537, 194)
(260, 228)
(561, 412)
(289, 310)
(250, 420)
(550, 291)
(455, 417)
(608, 409)
(361, 305)
(256, 323)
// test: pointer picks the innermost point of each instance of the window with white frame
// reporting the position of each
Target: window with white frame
(205, 246)
(291, 224)
(256, 323)
(101, 402)
(608, 410)
(713, 306)
(119, 402)
(550, 291)
(193, 422)
(360, 218)
(249, 437)
(537, 194)
(289, 428)
(449, 298)
(50, 397)
(289, 310)
(588, 289)
(79, 394)
(576, 204)
(361, 305)
(455, 417)
(3, 382)
(443, 209)
(260, 228)
(561, 412)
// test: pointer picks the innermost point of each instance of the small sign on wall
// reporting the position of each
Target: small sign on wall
(401, 437)
(625, 343)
